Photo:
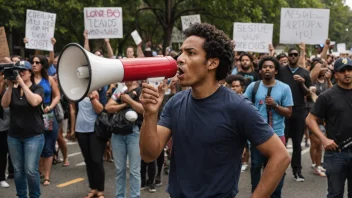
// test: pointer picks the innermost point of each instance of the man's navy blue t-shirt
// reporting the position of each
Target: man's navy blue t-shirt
(208, 140)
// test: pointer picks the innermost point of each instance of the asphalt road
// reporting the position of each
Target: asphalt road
(313, 187)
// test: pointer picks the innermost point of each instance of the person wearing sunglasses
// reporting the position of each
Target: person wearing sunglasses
(51, 99)
(298, 79)
(25, 135)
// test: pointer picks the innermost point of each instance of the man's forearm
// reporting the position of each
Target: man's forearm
(149, 141)
(272, 175)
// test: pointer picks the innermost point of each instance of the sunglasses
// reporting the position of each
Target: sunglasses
(293, 54)
(36, 62)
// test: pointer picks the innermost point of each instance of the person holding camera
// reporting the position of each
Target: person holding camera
(126, 142)
(25, 135)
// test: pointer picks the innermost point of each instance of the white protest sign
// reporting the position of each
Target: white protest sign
(189, 20)
(253, 37)
(40, 28)
(137, 39)
(177, 36)
(341, 47)
(307, 25)
(103, 22)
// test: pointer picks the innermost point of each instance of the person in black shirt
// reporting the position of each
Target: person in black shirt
(335, 107)
(299, 80)
(248, 69)
(25, 135)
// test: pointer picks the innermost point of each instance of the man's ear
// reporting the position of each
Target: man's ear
(213, 63)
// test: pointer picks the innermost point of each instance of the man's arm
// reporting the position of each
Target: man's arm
(86, 40)
(109, 48)
(278, 161)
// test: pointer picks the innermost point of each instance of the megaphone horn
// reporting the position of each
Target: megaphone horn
(81, 72)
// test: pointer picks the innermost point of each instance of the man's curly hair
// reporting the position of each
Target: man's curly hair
(217, 45)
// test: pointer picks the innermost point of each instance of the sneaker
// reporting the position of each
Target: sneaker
(4, 184)
(244, 167)
(152, 188)
(319, 172)
(158, 181)
(298, 177)
(143, 187)
(313, 166)
(322, 169)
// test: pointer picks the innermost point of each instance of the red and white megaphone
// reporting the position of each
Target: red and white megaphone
(80, 72)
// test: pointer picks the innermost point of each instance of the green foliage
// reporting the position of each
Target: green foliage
(154, 19)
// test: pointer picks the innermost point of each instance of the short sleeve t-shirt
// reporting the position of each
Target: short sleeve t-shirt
(249, 77)
(208, 139)
(335, 107)
(25, 120)
(86, 116)
(282, 95)
(285, 75)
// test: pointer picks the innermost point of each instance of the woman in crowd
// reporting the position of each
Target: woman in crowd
(51, 98)
(91, 146)
(25, 135)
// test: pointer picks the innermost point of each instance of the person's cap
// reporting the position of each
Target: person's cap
(28, 65)
(319, 46)
(341, 63)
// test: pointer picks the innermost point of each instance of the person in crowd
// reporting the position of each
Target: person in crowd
(283, 59)
(126, 143)
(236, 83)
(299, 81)
(25, 135)
(321, 80)
(274, 101)
(4, 127)
(15, 58)
(51, 98)
(334, 106)
(91, 146)
(209, 124)
(247, 69)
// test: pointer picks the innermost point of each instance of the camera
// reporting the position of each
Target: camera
(11, 70)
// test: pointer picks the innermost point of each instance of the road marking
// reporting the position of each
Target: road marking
(71, 143)
(70, 182)
(73, 154)
(81, 164)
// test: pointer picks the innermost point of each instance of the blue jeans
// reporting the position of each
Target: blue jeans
(123, 146)
(338, 170)
(257, 163)
(25, 155)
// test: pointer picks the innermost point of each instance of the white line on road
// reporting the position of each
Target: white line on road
(81, 164)
(73, 154)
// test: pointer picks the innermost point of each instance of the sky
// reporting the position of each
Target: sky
(349, 3)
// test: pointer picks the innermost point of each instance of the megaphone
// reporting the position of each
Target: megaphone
(81, 72)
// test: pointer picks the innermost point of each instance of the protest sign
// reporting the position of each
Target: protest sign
(103, 22)
(253, 37)
(177, 36)
(137, 39)
(341, 47)
(307, 25)
(189, 20)
(40, 28)
(4, 47)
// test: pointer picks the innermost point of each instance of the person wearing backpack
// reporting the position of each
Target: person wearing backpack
(274, 101)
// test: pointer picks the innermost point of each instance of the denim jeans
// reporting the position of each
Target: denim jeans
(123, 146)
(257, 163)
(25, 155)
(338, 170)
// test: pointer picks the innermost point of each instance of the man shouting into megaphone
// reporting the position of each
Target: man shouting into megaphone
(209, 124)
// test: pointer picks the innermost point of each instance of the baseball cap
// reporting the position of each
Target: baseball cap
(341, 63)
(28, 65)
(24, 65)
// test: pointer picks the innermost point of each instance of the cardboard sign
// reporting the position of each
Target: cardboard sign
(177, 36)
(103, 23)
(307, 25)
(189, 20)
(253, 37)
(341, 47)
(4, 47)
(137, 39)
(40, 28)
